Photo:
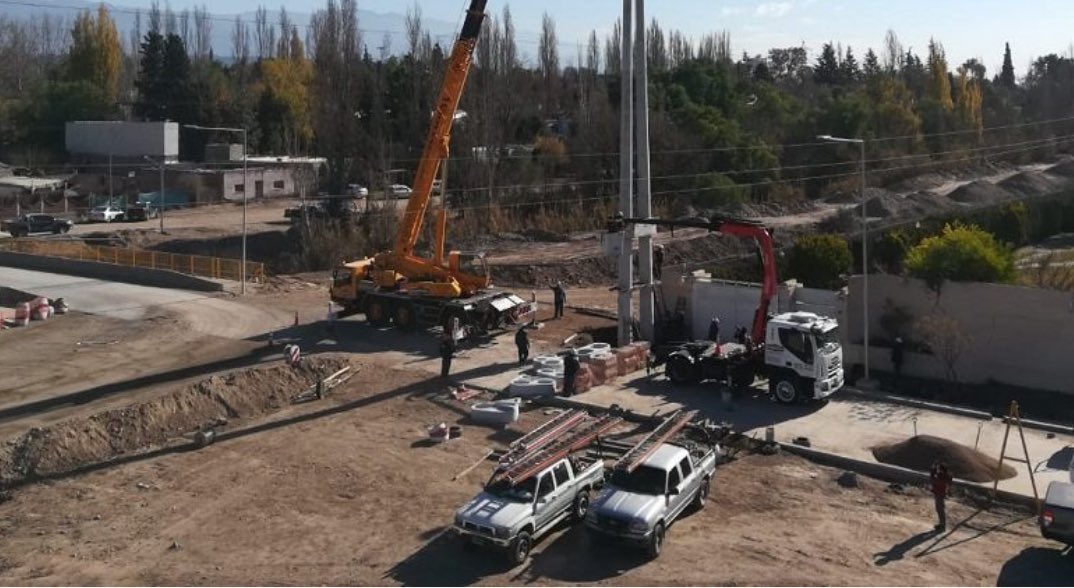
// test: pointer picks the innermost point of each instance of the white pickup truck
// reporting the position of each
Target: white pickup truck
(638, 506)
(512, 516)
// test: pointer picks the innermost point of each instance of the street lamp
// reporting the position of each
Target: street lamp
(245, 189)
(864, 248)
(161, 206)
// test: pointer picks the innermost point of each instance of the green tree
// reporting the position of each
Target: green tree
(961, 253)
(152, 97)
(819, 260)
(827, 69)
(849, 72)
(96, 55)
(54, 104)
(1006, 74)
(939, 81)
(871, 66)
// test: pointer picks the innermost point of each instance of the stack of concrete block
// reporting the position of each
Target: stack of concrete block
(604, 366)
(584, 380)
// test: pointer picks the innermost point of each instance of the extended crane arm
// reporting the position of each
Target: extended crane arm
(436, 142)
(744, 228)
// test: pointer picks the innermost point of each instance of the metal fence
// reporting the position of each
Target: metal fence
(197, 265)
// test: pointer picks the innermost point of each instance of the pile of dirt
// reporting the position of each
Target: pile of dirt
(883, 206)
(1064, 168)
(1029, 183)
(79, 442)
(919, 453)
(979, 192)
(925, 203)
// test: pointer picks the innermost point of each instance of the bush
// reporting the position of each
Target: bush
(819, 261)
(961, 253)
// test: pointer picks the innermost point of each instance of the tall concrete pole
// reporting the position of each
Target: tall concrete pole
(626, 179)
(645, 205)
(245, 191)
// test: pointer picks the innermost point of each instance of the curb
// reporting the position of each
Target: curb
(952, 409)
(900, 475)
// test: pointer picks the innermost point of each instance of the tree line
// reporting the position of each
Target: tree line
(725, 128)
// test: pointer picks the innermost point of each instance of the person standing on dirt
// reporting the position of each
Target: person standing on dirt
(570, 372)
(897, 357)
(940, 478)
(559, 298)
(522, 341)
(447, 352)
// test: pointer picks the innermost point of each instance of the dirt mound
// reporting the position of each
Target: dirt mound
(918, 453)
(979, 192)
(78, 442)
(1063, 168)
(925, 203)
(1028, 183)
(883, 206)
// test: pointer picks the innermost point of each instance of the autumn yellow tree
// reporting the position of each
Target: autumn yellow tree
(284, 109)
(96, 54)
(970, 100)
(939, 84)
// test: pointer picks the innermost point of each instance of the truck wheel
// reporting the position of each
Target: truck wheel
(784, 388)
(702, 494)
(404, 316)
(581, 506)
(376, 312)
(520, 548)
(681, 370)
(656, 542)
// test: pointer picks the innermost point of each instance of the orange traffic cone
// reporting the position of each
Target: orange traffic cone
(296, 318)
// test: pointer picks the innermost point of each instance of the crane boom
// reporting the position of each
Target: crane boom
(737, 227)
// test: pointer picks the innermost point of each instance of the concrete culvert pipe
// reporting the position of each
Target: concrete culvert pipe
(497, 413)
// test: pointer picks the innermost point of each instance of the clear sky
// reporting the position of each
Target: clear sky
(967, 28)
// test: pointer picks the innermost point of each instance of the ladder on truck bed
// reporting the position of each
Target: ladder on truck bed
(559, 439)
(664, 431)
(542, 435)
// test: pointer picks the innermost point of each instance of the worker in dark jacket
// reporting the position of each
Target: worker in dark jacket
(714, 330)
(658, 261)
(522, 341)
(447, 352)
(940, 478)
(559, 298)
(571, 365)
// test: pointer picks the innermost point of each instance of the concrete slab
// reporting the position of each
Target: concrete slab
(847, 426)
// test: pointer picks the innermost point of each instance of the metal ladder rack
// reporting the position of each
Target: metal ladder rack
(664, 431)
(544, 434)
(583, 433)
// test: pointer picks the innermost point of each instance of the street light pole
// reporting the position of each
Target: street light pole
(161, 211)
(245, 190)
(864, 250)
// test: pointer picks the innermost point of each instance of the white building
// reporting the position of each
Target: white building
(97, 141)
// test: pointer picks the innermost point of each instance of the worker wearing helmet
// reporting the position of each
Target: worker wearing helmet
(571, 365)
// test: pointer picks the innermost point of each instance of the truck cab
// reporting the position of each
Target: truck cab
(512, 516)
(803, 356)
(638, 506)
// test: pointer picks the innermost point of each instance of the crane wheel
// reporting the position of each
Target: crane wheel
(376, 313)
(404, 316)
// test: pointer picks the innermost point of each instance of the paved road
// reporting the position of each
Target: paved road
(204, 312)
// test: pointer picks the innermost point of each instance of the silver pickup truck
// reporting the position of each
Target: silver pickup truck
(1057, 517)
(513, 516)
(640, 505)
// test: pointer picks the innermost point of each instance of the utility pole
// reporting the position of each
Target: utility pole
(645, 205)
(626, 180)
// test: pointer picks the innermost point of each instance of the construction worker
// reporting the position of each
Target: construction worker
(714, 330)
(658, 261)
(570, 372)
(559, 298)
(522, 341)
(940, 478)
(897, 357)
(447, 352)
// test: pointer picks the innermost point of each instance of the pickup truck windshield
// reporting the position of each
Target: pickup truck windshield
(643, 480)
(521, 492)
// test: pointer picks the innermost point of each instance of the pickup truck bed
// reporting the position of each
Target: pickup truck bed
(1057, 517)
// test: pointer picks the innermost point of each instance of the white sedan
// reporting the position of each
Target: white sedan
(399, 191)
(105, 214)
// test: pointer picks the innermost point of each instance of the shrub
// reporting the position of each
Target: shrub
(820, 260)
(961, 253)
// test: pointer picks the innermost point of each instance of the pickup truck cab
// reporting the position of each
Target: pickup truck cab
(35, 223)
(638, 506)
(1057, 516)
(513, 516)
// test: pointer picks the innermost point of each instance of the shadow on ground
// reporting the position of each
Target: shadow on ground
(1038, 566)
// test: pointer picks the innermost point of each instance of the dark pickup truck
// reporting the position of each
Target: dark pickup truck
(35, 223)
(1057, 516)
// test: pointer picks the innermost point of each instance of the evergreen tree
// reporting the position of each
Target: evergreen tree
(1006, 75)
(827, 69)
(175, 80)
(761, 72)
(151, 103)
(848, 70)
(871, 67)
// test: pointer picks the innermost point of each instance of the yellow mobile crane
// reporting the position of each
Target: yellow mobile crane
(399, 285)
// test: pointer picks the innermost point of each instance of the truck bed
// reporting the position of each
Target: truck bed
(1059, 507)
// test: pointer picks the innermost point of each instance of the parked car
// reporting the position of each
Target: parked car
(35, 223)
(512, 516)
(105, 214)
(1057, 516)
(638, 506)
(399, 191)
(139, 212)
(357, 190)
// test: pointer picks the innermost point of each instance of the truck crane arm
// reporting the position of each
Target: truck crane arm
(744, 228)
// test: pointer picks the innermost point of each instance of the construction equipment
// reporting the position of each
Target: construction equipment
(664, 431)
(798, 351)
(569, 439)
(403, 287)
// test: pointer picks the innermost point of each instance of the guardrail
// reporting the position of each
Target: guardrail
(198, 265)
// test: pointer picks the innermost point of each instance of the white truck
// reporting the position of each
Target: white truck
(652, 485)
(542, 481)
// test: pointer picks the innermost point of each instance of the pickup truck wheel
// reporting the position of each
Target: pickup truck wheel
(581, 506)
(656, 541)
(702, 494)
(520, 548)
(784, 389)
